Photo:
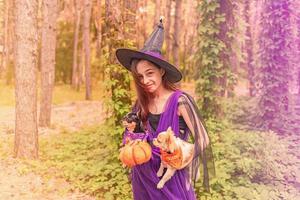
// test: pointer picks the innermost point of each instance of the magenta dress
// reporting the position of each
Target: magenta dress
(179, 187)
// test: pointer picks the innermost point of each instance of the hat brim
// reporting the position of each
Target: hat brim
(125, 56)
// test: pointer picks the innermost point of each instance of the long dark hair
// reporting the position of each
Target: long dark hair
(142, 103)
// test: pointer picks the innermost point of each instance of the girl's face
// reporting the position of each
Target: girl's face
(149, 75)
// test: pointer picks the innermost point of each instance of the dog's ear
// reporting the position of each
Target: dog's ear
(171, 141)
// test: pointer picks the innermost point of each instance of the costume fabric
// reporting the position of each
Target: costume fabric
(180, 186)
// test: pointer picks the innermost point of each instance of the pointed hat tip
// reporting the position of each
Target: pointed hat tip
(161, 19)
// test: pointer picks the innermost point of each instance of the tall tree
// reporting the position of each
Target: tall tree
(211, 58)
(188, 28)
(80, 68)
(98, 25)
(129, 29)
(4, 5)
(177, 31)
(7, 67)
(226, 11)
(26, 37)
(77, 12)
(192, 20)
(294, 68)
(48, 60)
(168, 29)
(274, 70)
(157, 11)
(86, 43)
(249, 49)
(119, 81)
(142, 22)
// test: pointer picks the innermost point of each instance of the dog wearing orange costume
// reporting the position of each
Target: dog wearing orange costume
(175, 154)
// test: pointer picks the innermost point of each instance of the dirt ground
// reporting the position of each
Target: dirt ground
(17, 186)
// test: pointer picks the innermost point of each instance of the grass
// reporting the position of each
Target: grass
(61, 94)
(7, 95)
(87, 159)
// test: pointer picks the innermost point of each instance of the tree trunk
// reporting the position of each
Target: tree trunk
(176, 33)
(294, 60)
(8, 42)
(47, 60)
(26, 37)
(130, 20)
(157, 12)
(226, 10)
(80, 68)
(275, 73)
(86, 44)
(186, 26)
(5, 52)
(113, 24)
(141, 23)
(192, 17)
(249, 62)
(75, 75)
(168, 30)
(98, 24)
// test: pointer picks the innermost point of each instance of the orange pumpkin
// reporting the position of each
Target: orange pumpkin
(135, 153)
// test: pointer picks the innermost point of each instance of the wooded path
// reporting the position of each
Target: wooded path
(17, 186)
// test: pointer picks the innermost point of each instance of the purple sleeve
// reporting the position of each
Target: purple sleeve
(133, 136)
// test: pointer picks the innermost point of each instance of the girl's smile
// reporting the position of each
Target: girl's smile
(149, 76)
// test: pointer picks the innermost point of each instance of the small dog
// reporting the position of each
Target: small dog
(133, 124)
(175, 154)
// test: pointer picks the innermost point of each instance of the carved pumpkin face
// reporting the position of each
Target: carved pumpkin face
(136, 154)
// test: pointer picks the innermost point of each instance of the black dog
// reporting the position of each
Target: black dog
(133, 117)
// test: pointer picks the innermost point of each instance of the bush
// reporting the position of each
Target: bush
(251, 165)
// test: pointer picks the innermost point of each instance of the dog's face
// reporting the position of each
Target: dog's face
(132, 122)
(165, 140)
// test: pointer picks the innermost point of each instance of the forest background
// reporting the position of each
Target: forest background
(63, 93)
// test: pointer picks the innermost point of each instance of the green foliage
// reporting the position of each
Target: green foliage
(274, 73)
(118, 88)
(88, 160)
(213, 73)
(250, 165)
(242, 112)
(64, 57)
(118, 78)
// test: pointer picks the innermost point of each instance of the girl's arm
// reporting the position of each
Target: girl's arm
(187, 111)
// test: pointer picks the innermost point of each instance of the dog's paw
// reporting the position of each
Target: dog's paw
(159, 173)
(160, 185)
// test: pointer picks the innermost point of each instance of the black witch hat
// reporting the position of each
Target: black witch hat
(151, 52)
